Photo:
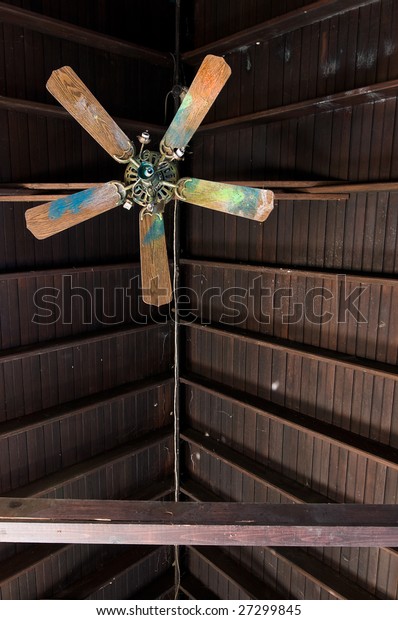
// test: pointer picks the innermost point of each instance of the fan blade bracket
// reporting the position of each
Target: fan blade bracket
(249, 202)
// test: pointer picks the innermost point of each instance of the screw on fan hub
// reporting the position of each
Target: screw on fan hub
(146, 176)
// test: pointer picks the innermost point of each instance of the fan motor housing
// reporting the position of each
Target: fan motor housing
(147, 174)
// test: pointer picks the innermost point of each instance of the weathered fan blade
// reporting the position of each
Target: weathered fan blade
(53, 217)
(255, 204)
(74, 96)
(155, 273)
(208, 82)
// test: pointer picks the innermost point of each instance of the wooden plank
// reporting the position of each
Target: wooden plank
(113, 569)
(53, 111)
(61, 344)
(159, 523)
(83, 36)
(365, 278)
(83, 469)
(272, 28)
(236, 573)
(309, 566)
(157, 588)
(357, 96)
(195, 589)
(343, 360)
(288, 488)
(329, 433)
(65, 411)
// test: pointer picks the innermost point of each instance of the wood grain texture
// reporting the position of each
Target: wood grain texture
(248, 202)
(53, 217)
(75, 97)
(209, 80)
(155, 273)
(128, 522)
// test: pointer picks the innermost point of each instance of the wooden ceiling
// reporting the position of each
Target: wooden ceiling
(288, 396)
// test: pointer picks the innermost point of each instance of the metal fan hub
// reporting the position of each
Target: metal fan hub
(146, 176)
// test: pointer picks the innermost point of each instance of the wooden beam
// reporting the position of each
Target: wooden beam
(308, 566)
(158, 588)
(63, 412)
(308, 272)
(343, 360)
(367, 94)
(288, 488)
(54, 111)
(112, 569)
(195, 589)
(320, 187)
(386, 455)
(70, 32)
(80, 470)
(17, 353)
(179, 523)
(236, 573)
(24, 561)
(282, 24)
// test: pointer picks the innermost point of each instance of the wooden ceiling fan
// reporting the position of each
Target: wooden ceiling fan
(150, 178)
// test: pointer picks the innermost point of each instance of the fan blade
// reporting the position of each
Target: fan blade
(208, 82)
(74, 96)
(155, 273)
(255, 204)
(53, 217)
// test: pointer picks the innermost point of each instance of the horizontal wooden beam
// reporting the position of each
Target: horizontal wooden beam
(42, 348)
(282, 24)
(179, 523)
(308, 272)
(317, 188)
(53, 111)
(343, 360)
(363, 446)
(24, 561)
(70, 32)
(367, 94)
(67, 271)
(308, 566)
(80, 470)
(264, 475)
(63, 412)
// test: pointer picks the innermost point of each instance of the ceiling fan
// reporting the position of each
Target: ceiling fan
(150, 178)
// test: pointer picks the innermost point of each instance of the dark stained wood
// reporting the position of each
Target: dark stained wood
(113, 569)
(53, 111)
(327, 432)
(82, 469)
(246, 581)
(70, 32)
(329, 103)
(158, 588)
(205, 524)
(195, 589)
(288, 488)
(288, 22)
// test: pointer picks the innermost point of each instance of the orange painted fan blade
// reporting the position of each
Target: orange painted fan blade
(254, 204)
(53, 217)
(208, 82)
(74, 96)
(155, 273)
